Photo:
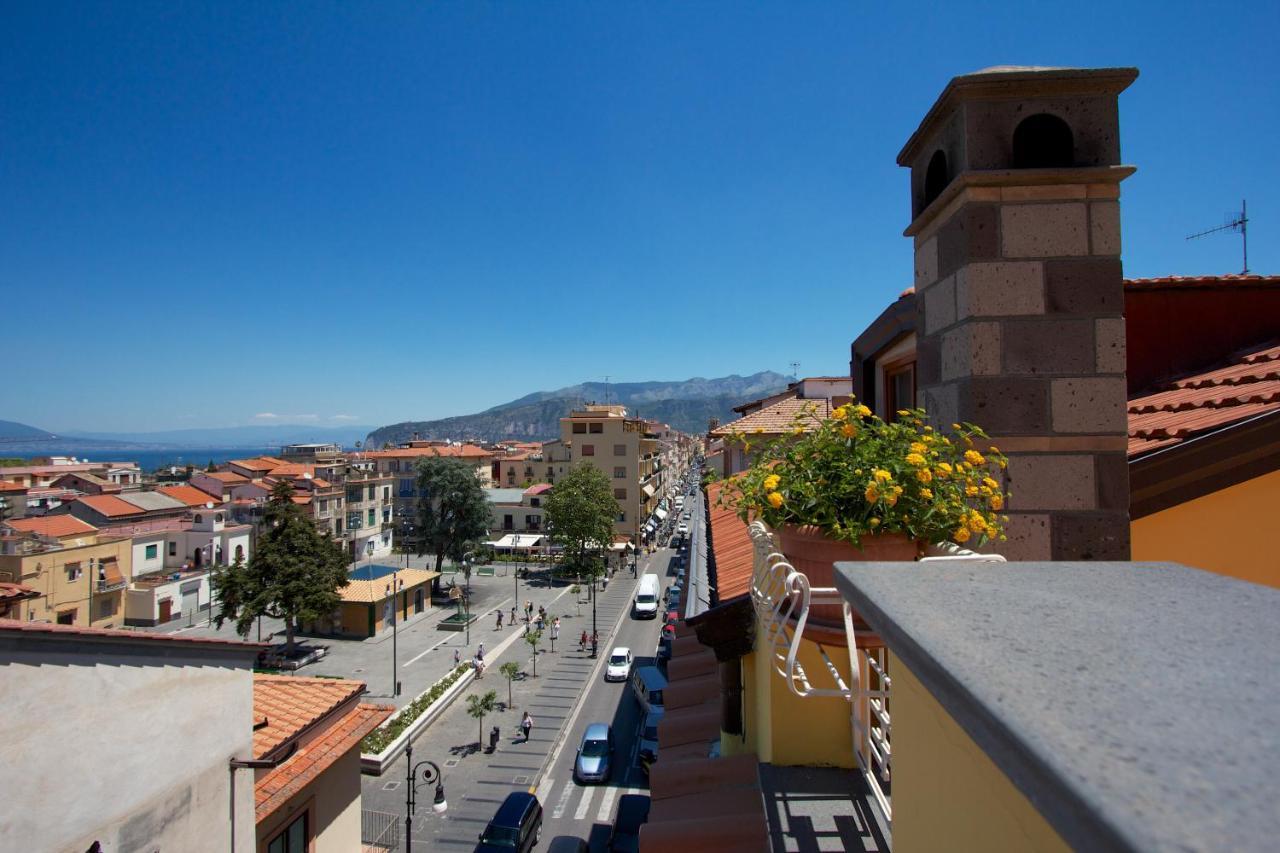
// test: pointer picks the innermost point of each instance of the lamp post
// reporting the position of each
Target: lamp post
(466, 575)
(595, 633)
(430, 774)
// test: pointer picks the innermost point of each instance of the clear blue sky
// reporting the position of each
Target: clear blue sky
(394, 211)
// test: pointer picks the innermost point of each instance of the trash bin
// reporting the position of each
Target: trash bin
(494, 735)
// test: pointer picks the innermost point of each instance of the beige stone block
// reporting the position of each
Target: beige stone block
(971, 350)
(1000, 288)
(942, 402)
(1044, 230)
(1051, 482)
(1110, 341)
(982, 194)
(940, 305)
(1104, 227)
(1089, 404)
(1104, 191)
(926, 263)
(1029, 537)
(1048, 192)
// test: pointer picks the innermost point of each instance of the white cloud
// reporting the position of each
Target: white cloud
(266, 416)
(344, 418)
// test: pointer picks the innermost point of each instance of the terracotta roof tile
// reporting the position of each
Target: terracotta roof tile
(731, 547)
(110, 505)
(368, 591)
(538, 488)
(228, 477)
(776, 419)
(258, 463)
(465, 451)
(1201, 281)
(293, 704)
(57, 526)
(1247, 387)
(189, 495)
(284, 782)
(17, 592)
(11, 486)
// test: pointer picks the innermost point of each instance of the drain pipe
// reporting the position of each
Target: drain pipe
(252, 764)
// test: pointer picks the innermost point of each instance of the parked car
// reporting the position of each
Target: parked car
(682, 530)
(618, 666)
(517, 825)
(568, 844)
(647, 684)
(595, 754)
(647, 751)
(633, 812)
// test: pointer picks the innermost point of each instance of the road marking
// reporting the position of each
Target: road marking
(584, 804)
(606, 805)
(633, 790)
(563, 804)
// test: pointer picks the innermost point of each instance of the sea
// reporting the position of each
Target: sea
(151, 460)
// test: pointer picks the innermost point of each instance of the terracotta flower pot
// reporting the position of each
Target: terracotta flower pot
(811, 551)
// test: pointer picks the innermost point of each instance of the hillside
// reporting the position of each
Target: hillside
(686, 405)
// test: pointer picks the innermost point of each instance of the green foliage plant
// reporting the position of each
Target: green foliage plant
(380, 738)
(452, 513)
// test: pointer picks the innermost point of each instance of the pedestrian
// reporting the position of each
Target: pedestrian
(480, 652)
(595, 639)
(582, 642)
(457, 658)
(499, 620)
(542, 613)
(526, 725)
(528, 610)
(478, 663)
(513, 614)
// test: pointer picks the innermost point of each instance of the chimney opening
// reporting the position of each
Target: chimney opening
(935, 177)
(1043, 141)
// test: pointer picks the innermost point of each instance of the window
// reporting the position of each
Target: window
(935, 177)
(173, 549)
(67, 617)
(619, 450)
(507, 522)
(620, 494)
(106, 606)
(1043, 141)
(353, 521)
(619, 473)
(293, 839)
(596, 428)
(73, 571)
(373, 518)
(152, 552)
(395, 466)
(386, 493)
(622, 517)
(406, 487)
(899, 388)
(324, 505)
(588, 450)
(354, 495)
(533, 522)
(579, 429)
(373, 493)
(199, 518)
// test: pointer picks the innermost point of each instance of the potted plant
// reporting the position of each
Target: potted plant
(852, 486)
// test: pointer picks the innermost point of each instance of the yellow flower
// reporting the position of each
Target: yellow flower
(976, 522)
(775, 499)
(995, 449)
(873, 522)
(840, 413)
(971, 491)
(990, 483)
(771, 482)
(928, 429)
(861, 411)
(961, 535)
(759, 430)
(1003, 463)
(956, 427)
(919, 447)
(915, 459)
(902, 413)
(798, 431)
(973, 457)
(924, 475)
(997, 502)
(881, 475)
(891, 499)
(872, 494)
(944, 468)
(848, 430)
(927, 494)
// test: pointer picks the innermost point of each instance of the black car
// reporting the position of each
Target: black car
(517, 825)
(633, 812)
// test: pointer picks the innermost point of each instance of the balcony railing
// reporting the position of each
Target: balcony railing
(110, 585)
(782, 597)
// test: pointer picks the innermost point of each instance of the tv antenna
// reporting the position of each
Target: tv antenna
(795, 371)
(1234, 222)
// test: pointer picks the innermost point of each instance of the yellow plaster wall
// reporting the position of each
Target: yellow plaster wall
(1227, 532)
(947, 794)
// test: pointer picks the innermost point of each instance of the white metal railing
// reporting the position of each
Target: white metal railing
(782, 597)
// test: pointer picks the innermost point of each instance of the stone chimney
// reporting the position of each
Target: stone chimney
(1015, 186)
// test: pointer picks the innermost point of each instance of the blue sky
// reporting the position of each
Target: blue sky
(384, 212)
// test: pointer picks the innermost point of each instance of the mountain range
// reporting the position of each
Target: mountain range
(686, 405)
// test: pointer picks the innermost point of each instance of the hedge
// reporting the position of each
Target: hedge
(378, 739)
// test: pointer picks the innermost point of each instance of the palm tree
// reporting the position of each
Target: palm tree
(510, 670)
(533, 638)
(480, 706)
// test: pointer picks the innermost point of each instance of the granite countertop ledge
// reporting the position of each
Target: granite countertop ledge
(1136, 705)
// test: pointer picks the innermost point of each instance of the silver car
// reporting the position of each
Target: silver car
(595, 754)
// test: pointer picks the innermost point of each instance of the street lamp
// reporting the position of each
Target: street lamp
(466, 600)
(430, 774)
(595, 633)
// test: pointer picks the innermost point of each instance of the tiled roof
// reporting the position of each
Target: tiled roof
(86, 477)
(11, 486)
(16, 592)
(1202, 281)
(776, 419)
(538, 488)
(292, 704)
(1203, 402)
(731, 545)
(369, 591)
(228, 477)
(260, 463)
(285, 781)
(189, 495)
(143, 636)
(110, 505)
(57, 526)
(463, 451)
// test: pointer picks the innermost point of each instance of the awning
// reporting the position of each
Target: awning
(649, 528)
(660, 514)
(109, 573)
(648, 489)
(517, 540)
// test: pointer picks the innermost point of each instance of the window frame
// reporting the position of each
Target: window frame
(890, 371)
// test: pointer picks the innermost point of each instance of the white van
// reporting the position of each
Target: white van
(646, 603)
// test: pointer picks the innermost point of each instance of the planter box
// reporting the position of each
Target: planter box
(374, 765)
(455, 623)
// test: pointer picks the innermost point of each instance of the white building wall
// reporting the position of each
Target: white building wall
(141, 564)
(126, 748)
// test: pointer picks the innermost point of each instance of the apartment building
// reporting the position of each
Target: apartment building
(399, 463)
(79, 572)
(626, 451)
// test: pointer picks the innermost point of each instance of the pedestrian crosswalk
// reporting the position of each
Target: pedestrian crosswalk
(576, 800)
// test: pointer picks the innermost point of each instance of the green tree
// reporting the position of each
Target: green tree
(452, 510)
(481, 706)
(210, 468)
(294, 574)
(580, 511)
(534, 637)
(510, 670)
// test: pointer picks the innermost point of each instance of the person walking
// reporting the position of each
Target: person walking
(499, 628)
(513, 614)
(457, 657)
(480, 651)
(582, 642)
(478, 663)
(526, 726)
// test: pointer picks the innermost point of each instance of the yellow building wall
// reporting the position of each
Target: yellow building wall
(947, 794)
(46, 573)
(1228, 532)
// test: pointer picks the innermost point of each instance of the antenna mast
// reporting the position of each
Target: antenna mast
(795, 371)
(606, 389)
(1235, 222)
